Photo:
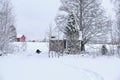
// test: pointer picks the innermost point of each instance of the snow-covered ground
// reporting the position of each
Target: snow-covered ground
(31, 66)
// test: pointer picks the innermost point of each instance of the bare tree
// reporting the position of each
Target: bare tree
(12, 33)
(117, 16)
(89, 17)
(7, 30)
(50, 35)
(61, 21)
(117, 22)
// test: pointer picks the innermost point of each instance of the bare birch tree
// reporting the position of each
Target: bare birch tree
(7, 30)
(89, 17)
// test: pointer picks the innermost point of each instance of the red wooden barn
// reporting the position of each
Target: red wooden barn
(21, 38)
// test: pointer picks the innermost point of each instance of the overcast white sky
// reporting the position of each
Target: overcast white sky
(34, 16)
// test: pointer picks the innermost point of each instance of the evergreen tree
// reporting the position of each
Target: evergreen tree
(72, 35)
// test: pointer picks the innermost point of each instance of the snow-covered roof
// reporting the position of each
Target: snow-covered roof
(18, 36)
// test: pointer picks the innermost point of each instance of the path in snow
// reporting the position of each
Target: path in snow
(34, 68)
(89, 74)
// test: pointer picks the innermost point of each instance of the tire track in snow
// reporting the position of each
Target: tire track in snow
(89, 74)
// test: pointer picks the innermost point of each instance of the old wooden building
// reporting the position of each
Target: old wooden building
(57, 45)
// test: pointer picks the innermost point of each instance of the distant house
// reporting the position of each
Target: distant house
(21, 38)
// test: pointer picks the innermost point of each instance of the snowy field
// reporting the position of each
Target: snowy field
(31, 66)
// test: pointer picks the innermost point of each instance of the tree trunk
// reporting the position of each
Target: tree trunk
(82, 46)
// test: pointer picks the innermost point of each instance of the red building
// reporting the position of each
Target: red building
(21, 38)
